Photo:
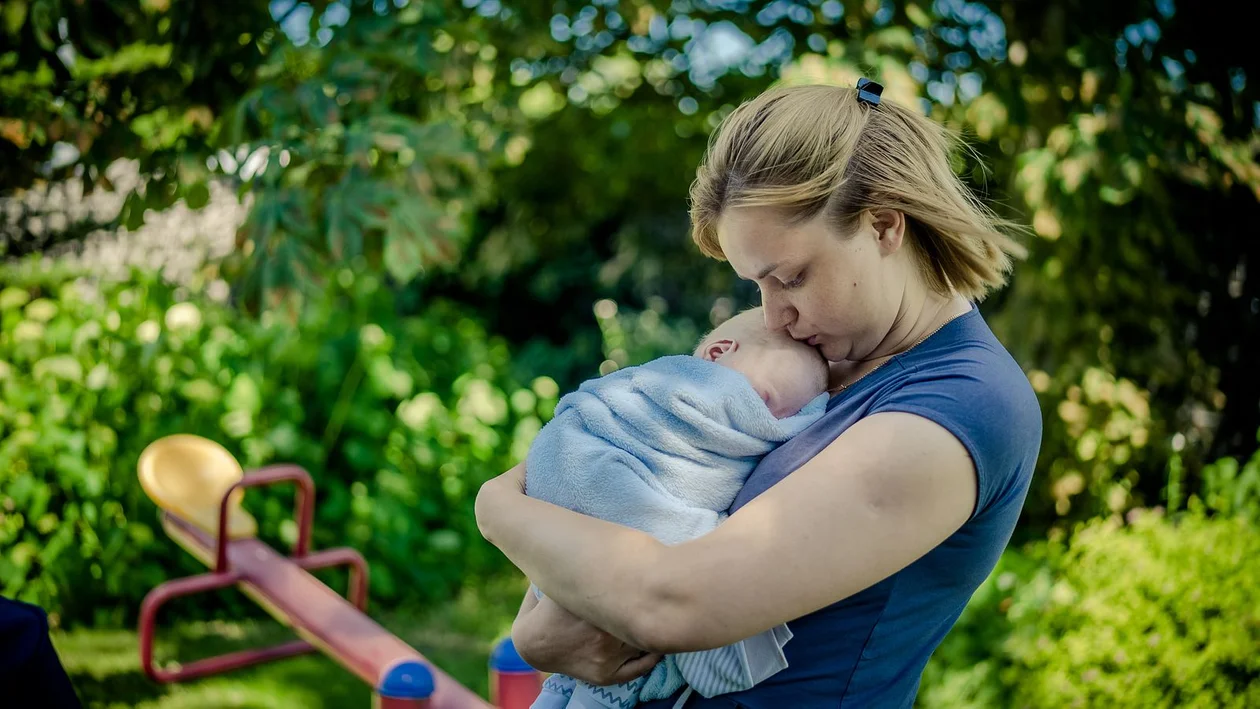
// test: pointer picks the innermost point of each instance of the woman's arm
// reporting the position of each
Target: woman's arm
(880, 496)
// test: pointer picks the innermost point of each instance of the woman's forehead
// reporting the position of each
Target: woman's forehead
(758, 240)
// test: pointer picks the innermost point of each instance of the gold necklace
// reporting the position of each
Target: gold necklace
(891, 357)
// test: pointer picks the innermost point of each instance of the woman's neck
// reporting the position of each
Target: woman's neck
(908, 330)
(911, 328)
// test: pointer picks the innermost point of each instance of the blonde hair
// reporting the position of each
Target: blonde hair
(816, 149)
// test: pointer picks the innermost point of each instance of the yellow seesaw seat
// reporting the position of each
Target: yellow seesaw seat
(188, 475)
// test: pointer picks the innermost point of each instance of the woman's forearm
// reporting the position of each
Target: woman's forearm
(602, 572)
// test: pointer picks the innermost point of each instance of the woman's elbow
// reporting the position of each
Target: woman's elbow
(533, 652)
(481, 510)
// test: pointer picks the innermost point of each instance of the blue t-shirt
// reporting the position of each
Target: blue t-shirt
(869, 649)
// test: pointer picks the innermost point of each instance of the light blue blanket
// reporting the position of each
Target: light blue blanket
(663, 447)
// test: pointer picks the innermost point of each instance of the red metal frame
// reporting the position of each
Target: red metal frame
(303, 507)
(356, 593)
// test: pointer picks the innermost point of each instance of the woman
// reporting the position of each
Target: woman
(867, 533)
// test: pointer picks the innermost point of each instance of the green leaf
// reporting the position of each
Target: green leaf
(200, 390)
(98, 378)
(243, 395)
(13, 297)
(43, 24)
(14, 16)
(131, 59)
(132, 214)
(916, 15)
(63, 367)
(343, 235)
(197, 195)
(41, 310)
(404, 255)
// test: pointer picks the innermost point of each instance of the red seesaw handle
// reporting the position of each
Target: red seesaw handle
(356, 593)
(213, 665)
(357, 585)
(304, 507)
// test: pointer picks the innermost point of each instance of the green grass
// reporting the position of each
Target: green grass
(104, 664)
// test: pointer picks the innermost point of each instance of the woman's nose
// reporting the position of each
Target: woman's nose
(778, 312)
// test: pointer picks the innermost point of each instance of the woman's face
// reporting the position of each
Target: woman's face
(841, 293)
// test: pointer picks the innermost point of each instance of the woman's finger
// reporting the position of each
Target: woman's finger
(636, 667)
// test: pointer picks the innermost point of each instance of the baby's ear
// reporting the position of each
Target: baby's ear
(714, 351)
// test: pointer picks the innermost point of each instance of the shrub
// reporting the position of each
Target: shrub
(1155, 613)
(399, 420)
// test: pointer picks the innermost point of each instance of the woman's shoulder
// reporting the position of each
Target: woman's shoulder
(966, 355)
(969, 383)
(976, 382)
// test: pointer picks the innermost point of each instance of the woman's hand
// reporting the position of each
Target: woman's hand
(552, 639)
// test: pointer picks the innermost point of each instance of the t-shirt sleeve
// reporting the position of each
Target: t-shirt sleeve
(991, 410)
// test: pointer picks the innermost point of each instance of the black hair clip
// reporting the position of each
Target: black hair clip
(869, 91)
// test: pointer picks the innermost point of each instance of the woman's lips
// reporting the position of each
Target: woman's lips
(812, 341)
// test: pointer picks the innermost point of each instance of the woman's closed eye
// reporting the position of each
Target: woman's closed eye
(795, 282)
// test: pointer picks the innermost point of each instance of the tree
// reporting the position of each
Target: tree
(85, 84)
(1123, 133)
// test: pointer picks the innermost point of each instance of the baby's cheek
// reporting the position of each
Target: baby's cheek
(765, 398)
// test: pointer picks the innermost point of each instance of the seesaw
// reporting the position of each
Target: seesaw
(199, 487)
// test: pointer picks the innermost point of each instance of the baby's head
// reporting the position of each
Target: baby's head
(788, 374)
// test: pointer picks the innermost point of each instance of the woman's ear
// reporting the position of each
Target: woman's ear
(890, 229)
(714, 351)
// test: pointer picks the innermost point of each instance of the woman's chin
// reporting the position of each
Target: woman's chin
(831, 352)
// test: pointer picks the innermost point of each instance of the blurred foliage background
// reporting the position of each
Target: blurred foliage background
(380, 238)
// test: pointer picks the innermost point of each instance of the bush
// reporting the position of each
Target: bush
(1156, 613)
(1152, 615)
(399, 420)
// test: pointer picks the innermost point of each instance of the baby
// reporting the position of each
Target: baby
(664, 447)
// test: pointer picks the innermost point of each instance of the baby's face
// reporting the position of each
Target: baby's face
(786, 373)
